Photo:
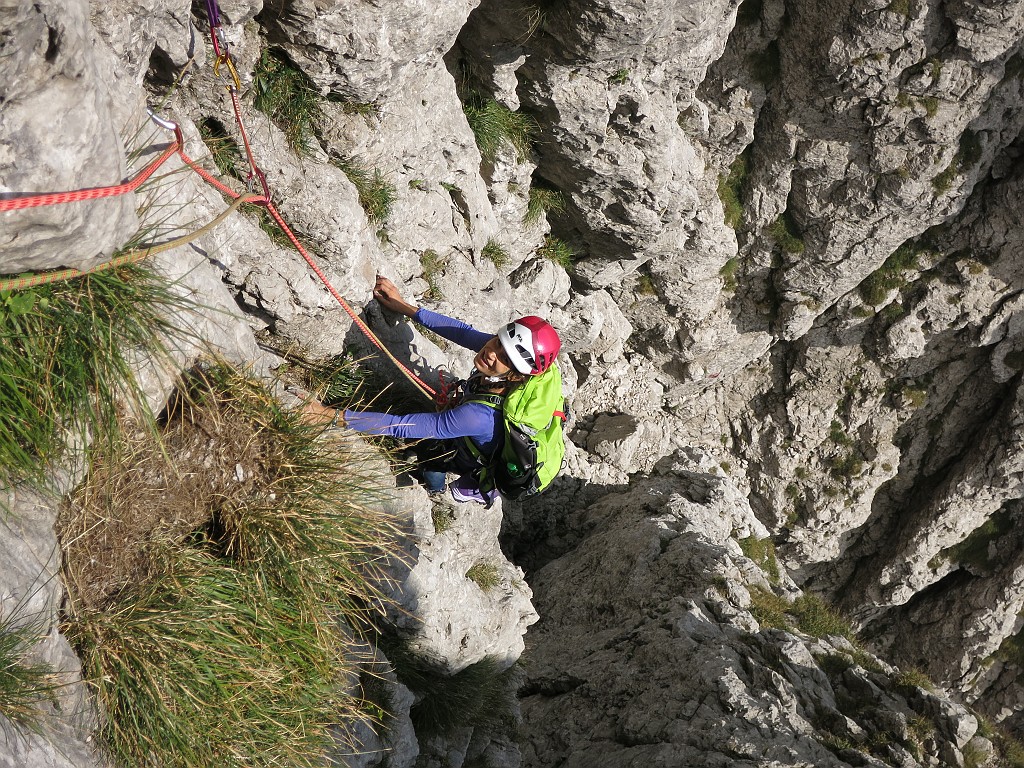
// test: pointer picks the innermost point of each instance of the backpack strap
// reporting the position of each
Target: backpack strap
(492, 400)
(487, 398)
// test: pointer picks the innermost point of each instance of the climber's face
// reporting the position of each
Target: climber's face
(491, 360)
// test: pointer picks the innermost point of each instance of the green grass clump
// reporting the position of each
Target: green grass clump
(943, 181)
(432, 265)
(762, 552)
(728, 274)
(23, 684)
(834, 664)
(818, 619)
(335, 380)
(769, 609)
(846, 466)
(367, 109)
(913, 678)
(271, 228)
(902, 7)
(557, 251)
(811, 614)
(495, 253)
(222, 649)
(1011, 650)
(495, 125)
(730, 189)
(867, 661)
(443, 518)
(619, 77)
(838, 435)
(974, 550)
(930, 104)
(645, 285)
(65, 359)
(542, 200)
(287, 96)
(1010, 749)
(377, 195)
(484, 575)
(786, 234)
(211, 667)
(916, 396)
(875, 287)
(967, 155)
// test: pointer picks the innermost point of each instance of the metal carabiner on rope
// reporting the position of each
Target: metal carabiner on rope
(224, 57)
(257, 175)
(168, 125)
(164, 123)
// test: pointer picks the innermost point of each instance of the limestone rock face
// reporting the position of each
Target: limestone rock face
(461, 600)
(798, 259)
(363, 49)
(658, 657)
(30, 595)
(57, 133)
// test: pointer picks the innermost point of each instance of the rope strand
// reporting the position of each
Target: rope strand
(177, 147)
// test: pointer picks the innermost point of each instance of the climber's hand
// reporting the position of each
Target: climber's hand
(314, 413)
(387, 295)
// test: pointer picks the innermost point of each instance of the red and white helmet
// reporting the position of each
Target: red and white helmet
(531, 344)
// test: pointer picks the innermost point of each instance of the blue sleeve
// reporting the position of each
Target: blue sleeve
(473, 420)
(454, 330)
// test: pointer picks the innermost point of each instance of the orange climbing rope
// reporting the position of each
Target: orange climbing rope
(94, 193)
(223, 57)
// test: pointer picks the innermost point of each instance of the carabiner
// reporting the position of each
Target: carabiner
(169, 125)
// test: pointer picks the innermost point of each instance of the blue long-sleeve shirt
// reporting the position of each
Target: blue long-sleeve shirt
(480, 422)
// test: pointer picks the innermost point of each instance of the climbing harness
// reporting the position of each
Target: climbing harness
(256, 175)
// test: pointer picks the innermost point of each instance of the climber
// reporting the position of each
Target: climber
(525, 347)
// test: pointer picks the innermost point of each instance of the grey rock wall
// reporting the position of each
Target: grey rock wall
(59, 133)
(836, 338)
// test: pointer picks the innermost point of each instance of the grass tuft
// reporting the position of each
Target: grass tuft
(495, 125)
(558, 251)
(496, 253)
(810, 614)
(335, 380)
(208, 577)
(913, 678)
(223, 149)
(901, 7)
(728, 274)
(786, 234)
(24, 684)
(619, 77)
(875, 288)
(484, 575)
(287, 96)
(433, 265)
(818, 619)
(967, 155)
(769, 609)
(542, 200)
(443, 518)
(66, 352)
(762, 552)
(210, 667)
(377, 195)
(730, 189)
